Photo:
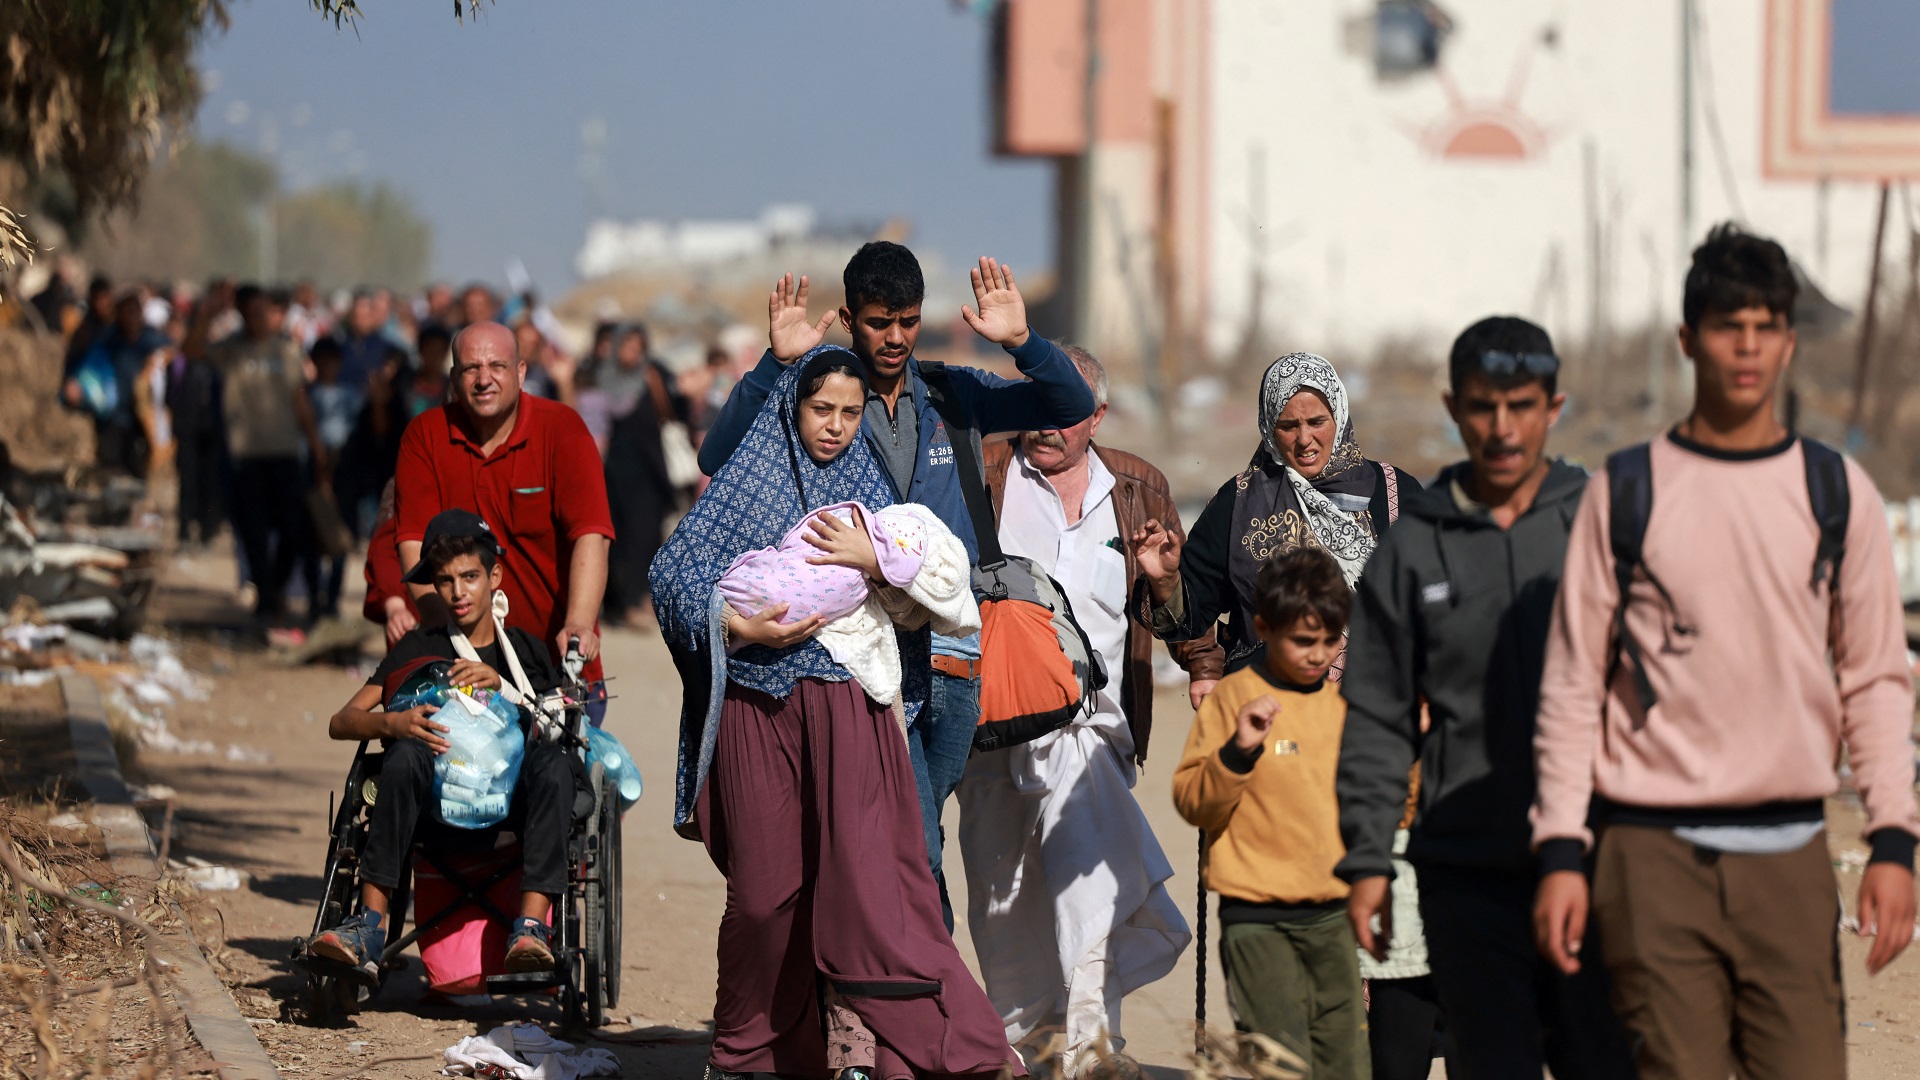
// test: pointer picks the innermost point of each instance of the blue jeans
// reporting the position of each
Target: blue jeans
(939, 743)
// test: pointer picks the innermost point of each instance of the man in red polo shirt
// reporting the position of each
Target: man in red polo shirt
(526, 464)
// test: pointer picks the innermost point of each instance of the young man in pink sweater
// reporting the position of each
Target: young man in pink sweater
(1704, 738)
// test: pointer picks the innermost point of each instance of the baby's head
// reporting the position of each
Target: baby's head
(832, 395)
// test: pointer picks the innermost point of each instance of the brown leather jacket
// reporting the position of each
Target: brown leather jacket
(1139, 492)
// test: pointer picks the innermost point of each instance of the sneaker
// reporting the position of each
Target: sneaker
(856, 1072)
(715, 1072)
(357, 943)
(529, 949)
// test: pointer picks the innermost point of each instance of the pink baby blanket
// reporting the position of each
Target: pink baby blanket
(782, 575)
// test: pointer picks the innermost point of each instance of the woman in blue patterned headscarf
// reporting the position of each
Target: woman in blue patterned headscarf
(833, 955)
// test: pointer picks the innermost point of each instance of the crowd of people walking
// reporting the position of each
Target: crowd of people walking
(1473, 781)
(1523, 766)
(282, 413)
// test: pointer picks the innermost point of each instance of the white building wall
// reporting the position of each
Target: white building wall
(1332, 182)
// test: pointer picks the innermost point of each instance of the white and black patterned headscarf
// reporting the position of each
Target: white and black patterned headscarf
(1276, 509)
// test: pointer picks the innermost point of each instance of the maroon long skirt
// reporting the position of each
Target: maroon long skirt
(810, 811)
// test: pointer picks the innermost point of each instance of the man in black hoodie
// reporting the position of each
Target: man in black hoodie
(1452, 613)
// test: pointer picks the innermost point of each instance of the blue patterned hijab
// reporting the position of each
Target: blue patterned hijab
(765, 487)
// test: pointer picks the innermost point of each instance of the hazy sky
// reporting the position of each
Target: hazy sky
(867, 109)
(1874, 44)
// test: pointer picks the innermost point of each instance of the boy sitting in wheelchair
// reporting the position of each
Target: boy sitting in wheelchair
(460, 558)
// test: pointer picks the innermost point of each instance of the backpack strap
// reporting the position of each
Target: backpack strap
(1629, 508)
(1827, 491)
(973, 484)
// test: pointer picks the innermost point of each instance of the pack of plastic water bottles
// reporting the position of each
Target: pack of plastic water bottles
(473, 778)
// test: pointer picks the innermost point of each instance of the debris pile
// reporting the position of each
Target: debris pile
(83, 575)
(141, 681)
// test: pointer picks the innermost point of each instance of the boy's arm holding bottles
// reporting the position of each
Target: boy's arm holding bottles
(360, 718)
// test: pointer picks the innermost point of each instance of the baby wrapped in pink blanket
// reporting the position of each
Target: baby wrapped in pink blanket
(927, 578)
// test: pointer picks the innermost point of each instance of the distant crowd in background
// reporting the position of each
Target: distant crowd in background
(280, 410)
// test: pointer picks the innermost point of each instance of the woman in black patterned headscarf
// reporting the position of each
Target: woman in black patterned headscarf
(1308, 483)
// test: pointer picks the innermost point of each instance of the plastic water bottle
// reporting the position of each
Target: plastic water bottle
(612, 756)
(475, 776)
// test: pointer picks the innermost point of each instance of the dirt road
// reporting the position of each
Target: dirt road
(259, 803)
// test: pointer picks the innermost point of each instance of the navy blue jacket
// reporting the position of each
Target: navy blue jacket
(1053, 395)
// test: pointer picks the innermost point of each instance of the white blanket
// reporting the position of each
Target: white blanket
(862, 640)
(525, 1052)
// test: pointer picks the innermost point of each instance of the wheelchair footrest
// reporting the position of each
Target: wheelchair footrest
(526, 982)
(322, 966)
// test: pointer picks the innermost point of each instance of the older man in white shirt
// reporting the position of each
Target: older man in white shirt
(1067, 900)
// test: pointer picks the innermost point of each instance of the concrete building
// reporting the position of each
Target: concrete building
(1337, 175)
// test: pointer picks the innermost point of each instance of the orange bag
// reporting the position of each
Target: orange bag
(1024, 673)
(1037, 668)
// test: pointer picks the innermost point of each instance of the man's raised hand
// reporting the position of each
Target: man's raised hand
(790, 333)
(1003, 314)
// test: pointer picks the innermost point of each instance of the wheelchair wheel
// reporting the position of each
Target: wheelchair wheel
(331, 997)
(615, 863)
(599, 925)
(340, 878)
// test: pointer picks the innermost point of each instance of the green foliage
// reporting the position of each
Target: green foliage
(89, 89)
(347, 12)
(200, 215)
(344, 234)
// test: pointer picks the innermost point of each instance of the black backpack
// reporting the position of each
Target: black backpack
(1630, 506)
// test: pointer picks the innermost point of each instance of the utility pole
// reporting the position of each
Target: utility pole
(1686, 126)
(1088, 218)
(1864, 358)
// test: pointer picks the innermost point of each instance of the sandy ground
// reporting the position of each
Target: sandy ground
(260, 804)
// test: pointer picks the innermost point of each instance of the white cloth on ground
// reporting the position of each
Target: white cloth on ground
(525, 1052)
(1067, 901)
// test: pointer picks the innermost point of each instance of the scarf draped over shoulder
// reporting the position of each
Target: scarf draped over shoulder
(766, 486)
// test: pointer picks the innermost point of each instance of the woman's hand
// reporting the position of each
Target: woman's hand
(1157, 550)
(473, 673)
(1198, 689)
(842, 544)
(767, 629)
(414, 724)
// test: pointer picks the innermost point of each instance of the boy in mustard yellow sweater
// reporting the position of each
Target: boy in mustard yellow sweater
(1258, 776)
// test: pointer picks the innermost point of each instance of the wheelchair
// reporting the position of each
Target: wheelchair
(586, 917)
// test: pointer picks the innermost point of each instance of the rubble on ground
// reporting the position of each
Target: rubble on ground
(75, 574)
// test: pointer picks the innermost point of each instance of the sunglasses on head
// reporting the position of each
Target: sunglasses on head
(1502, 365)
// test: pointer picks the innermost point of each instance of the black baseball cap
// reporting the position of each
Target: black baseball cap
(446, 523)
